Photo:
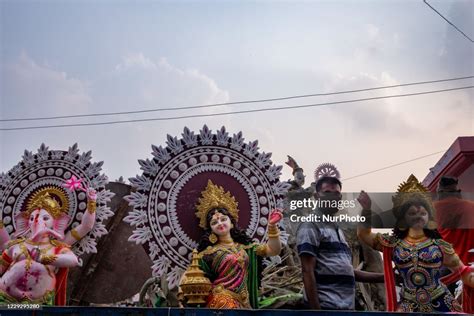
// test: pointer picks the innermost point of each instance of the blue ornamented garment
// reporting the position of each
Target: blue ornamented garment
(420, 266)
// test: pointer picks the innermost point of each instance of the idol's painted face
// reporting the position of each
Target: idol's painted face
(41, 224)
(41, 219)
(417, 217)
(220, 224)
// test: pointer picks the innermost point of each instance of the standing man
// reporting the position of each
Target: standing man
(326, 259)
(455, 218)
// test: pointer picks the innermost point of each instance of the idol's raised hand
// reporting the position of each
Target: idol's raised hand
(275, 216)
(91, 194)
(364, 200)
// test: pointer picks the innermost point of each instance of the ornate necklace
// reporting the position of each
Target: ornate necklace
(226, 245)
(416, 240)
(228, 242)
(229, 247)
(38, 243)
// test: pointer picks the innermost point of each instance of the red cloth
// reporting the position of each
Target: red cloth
(468, 299)
(461, 238)
(61, 283)
(6, 257)
(390, 292)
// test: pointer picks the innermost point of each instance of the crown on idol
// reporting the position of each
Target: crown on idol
(51, 199)
(214, 197)
(410, 190)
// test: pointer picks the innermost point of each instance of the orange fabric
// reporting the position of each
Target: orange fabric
(221, 301)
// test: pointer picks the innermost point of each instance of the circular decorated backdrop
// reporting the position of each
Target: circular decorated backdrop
(52, 168)
(164, 203)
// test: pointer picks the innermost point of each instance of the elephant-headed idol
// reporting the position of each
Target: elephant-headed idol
(34, 264)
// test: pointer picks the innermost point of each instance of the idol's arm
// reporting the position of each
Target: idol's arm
(273, 245)
(65, 259)
(86, 225)
(468, 278)
(451, 260)
(87, 222)
(364, 232)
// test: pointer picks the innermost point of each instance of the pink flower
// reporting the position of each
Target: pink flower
(74, 184)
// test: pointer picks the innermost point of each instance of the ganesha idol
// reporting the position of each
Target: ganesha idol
(34, 265)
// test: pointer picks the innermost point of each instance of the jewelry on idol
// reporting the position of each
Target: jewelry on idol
(273, 231)
(91, 206)
(36, 243)
(75, 234)
(416, 236)
(48, 259)
(414, 240)
(213, 238)
(227, 241)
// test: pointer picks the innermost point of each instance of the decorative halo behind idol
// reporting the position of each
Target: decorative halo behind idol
(168, 191)
(62, 180)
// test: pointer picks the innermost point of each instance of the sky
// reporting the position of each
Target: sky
(81, 57)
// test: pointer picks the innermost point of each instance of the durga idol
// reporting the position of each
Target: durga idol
(227, 256)
(418, 252)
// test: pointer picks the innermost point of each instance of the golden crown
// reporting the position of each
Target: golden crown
(412, 189)
(51, 199)
(213, 197)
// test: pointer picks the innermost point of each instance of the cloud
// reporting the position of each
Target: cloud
(369, 116)
(374, 42)
(29, 89)
(456, 52)
(136, 60)
(373, 31)
(139, 81)
(397, 118)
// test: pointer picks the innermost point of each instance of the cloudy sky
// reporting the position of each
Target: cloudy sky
(80, 57)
